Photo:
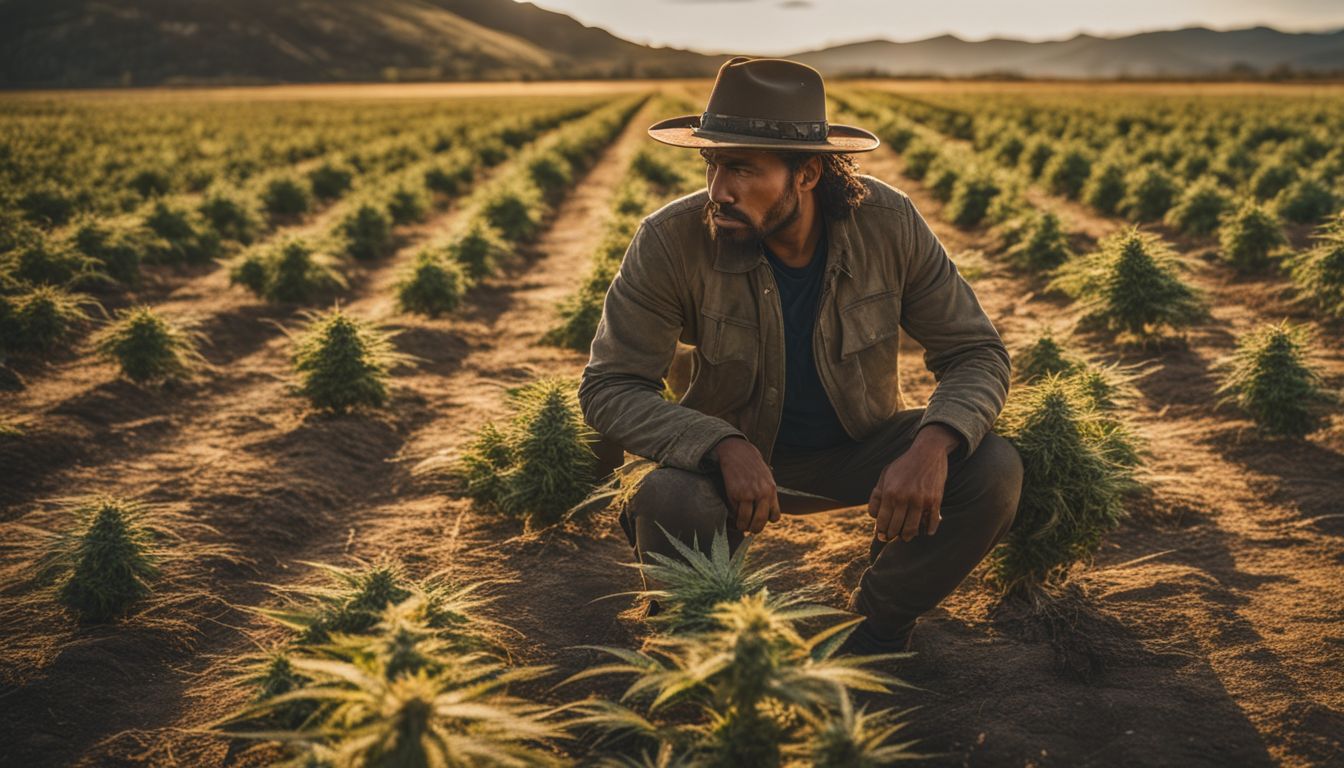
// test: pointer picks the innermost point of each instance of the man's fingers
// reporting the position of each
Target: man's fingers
(760, 516)
(914, 515)
(744, 510)
(874, 503)
(775, 512)
(890, 512)
(935, 518)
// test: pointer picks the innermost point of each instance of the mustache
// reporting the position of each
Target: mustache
(715, 209)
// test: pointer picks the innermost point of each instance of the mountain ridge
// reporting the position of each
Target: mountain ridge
(98, 43)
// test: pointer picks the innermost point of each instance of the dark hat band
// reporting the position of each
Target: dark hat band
(796, 130)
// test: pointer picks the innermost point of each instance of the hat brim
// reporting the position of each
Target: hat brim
(684, 132)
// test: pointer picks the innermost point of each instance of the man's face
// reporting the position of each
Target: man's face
(752, 194)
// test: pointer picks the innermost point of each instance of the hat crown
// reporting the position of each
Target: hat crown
(768, 89)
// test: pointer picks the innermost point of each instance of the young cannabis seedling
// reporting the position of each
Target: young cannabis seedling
(1200, 208)
(343, 362)
(1250, 236)
(1272, 379)
(1131, 284)
(1319, 271)
(1043, 246)
(148, 346)
(431, 286)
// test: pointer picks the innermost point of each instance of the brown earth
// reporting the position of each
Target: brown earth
(1207, 632)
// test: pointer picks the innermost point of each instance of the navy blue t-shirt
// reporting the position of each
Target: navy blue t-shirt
(809, 421)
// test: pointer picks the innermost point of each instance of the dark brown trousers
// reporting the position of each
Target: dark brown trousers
(904, 578)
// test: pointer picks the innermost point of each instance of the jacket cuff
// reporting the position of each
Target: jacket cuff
(689, 448)
(960, 419)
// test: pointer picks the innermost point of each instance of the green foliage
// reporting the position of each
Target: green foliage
(972, 197)
(752, 677)
(107, 561)
(285, 196)
(514, 211)
(1305, 201)
(41, 318)
(150, 182)
(366, 231)
(655, 170)
(343, 362)
(550, 173)
(1036, 154)
(353, 600)
(1201, 206)
(1044, 247)
(46, 204)
(1272, 178)
(1250, 236)
(1107, 187)
(942, 180)
(288, 272)
(1077, 465)
(1067, 171)
(1131, 284)
(432, 285)
(852, 738)
(540, 465)
(1045, 356)
(230, 216)
(1271, 378)
(691, 586)
(330, 180)
(46, 260)
(479, 249)
(1152, 191)
(181, 237)
(449, 178)
(919, 156)
(407, 204)
(148, 347)
(1319, 271)
(490, 152)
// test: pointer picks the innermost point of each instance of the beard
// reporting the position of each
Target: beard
(781, 214)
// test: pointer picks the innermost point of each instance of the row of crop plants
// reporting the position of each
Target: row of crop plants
(1246, 171)
(42, 309)
(1066, 414)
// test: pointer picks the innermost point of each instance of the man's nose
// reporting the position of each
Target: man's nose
(718, 189)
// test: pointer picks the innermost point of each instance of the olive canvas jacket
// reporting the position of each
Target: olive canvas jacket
(885, 271)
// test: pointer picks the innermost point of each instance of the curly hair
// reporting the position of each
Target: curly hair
(839, 191)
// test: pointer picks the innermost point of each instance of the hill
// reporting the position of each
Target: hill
(1190, 52)
(78, 43)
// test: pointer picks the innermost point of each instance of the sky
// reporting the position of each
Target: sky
(762, 27)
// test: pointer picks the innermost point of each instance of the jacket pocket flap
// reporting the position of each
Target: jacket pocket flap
(724, 338)
(868, 321)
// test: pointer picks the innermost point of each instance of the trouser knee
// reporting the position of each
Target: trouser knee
(687, 505)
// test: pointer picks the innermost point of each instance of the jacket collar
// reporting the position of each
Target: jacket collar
(734, 257)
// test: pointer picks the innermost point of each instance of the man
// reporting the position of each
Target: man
(792, 276)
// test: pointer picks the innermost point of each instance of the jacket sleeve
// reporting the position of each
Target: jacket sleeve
(962, 347)
(621, 389)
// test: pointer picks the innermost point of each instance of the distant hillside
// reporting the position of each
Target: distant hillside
(1192, 52)
(84, 43)
(142, 42)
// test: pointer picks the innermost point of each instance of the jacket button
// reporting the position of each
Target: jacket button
(771, 395)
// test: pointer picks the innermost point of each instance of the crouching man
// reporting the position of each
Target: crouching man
(792, 275)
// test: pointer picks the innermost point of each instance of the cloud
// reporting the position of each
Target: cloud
(796, 5)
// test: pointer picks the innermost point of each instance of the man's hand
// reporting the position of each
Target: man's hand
(749, 483)
(910, 491)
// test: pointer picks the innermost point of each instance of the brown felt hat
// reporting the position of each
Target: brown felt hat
(765, 104)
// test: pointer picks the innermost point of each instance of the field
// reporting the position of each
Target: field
(174, 268)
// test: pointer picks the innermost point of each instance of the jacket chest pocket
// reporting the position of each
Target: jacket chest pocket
(728, 357)
(869, 321)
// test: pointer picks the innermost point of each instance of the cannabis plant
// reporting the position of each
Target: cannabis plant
(148, 346)
(1131, 284)
(285, 196)
(1107, 187)
(1044, 356)
(1306, 201)
(1076, 474)
(1067, 171)
(366, 231)
(330, 180)
(514, 211)
(107, 561)
(851, 738)
(1250, 236)
(1200, 208)
(1319, 271)
(230, 215)
(343, 362)
(1151, 191)
(479, 249)
(432, 285)
(1271, 378)
(291, 272)
(406, 204)
(41, 318)
(544, 456)
(180, 236)
(972, 197)
(1043, 245)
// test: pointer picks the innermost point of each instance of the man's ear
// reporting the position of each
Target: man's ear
(809, 174)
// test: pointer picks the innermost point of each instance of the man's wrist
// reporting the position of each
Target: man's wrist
(936, 435)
